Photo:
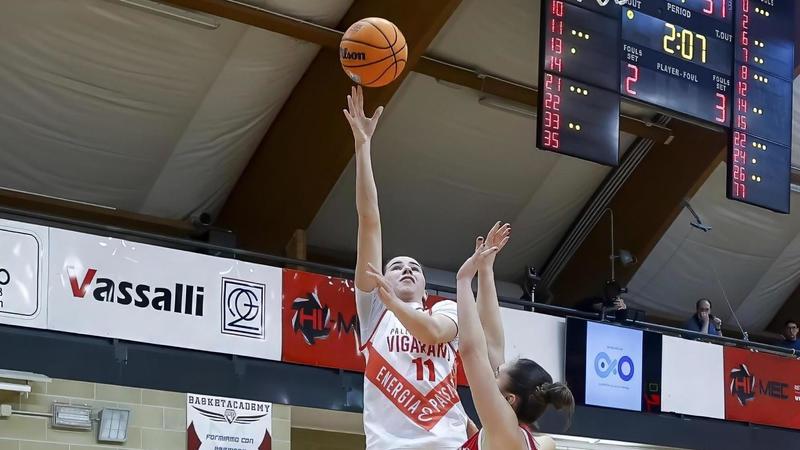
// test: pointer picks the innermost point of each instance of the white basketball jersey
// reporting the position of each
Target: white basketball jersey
(410, 396)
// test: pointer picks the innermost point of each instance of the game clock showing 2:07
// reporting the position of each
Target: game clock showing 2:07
(724, 63)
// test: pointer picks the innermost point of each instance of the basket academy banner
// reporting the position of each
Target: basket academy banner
(115, 288)
(23, 274)
(216, 423)
(320, 323)
(762, 388)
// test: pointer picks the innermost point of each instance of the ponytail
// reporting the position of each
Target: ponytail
(536, 391)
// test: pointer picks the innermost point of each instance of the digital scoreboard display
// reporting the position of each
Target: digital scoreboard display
(727, 63)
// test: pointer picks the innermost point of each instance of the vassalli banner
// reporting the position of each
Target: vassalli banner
(762, 388)
(109, 287)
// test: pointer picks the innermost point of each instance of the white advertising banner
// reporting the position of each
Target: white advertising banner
(692, 378)
(115, 288)
(215, 423)
(23, 274)
(539, 337)
(613, 366)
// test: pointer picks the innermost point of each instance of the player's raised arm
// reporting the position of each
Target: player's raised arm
(497, 415)
(488, 306)
(369, 220)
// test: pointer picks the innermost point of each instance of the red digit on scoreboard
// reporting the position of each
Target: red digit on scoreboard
(741, 104)
(556, 45)
(557, 26)
(631, 79)
(738, 173)
(739, 156)
(558, 8)
(722, 108)
(739, 139)
(709, 8)
(555, 64)
(741, 122)
(550, 139)
(741, 86)
(552, 101)
(739, 190)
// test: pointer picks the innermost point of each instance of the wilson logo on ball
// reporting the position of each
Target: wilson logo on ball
(345, 53)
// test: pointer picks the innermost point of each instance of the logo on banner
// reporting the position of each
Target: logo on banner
(745, 386)
(243, 308)
(230, 416)
(313, 319)
(605, 366)
(5, 278)
(183, 298)
(227, 424)
(20, 262)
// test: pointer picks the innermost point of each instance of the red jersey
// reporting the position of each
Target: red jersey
(474, 443)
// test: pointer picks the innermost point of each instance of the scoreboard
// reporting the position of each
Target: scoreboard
(725, 63)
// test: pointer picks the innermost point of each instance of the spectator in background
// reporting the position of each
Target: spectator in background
(610, 302)
(703, 321)
(790, 335)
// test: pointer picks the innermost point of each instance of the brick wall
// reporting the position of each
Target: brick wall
(158, 418)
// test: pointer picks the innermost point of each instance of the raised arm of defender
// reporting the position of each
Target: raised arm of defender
(488, 307)
(497, 416)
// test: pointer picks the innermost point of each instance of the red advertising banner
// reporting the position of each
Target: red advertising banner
(320, 321)
(762, 388)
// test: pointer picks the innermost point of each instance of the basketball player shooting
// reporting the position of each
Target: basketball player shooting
(410, 396)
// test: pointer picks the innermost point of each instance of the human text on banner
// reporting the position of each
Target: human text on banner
(110, 287)
(320, 322)
(762, 388)
(219, 422)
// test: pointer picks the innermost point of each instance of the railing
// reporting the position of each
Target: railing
(280, 261)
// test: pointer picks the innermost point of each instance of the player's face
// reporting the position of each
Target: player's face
(406, 277)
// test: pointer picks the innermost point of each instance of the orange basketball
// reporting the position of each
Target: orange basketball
(373, 52)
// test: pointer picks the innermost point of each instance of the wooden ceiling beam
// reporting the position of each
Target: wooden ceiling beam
(309, 143)
(427, 65)
(644, 208)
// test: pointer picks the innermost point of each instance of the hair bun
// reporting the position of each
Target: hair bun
(558, 395)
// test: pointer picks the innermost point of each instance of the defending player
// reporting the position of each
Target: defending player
(510, 397)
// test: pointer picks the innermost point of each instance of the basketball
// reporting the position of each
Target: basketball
(373, 52)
